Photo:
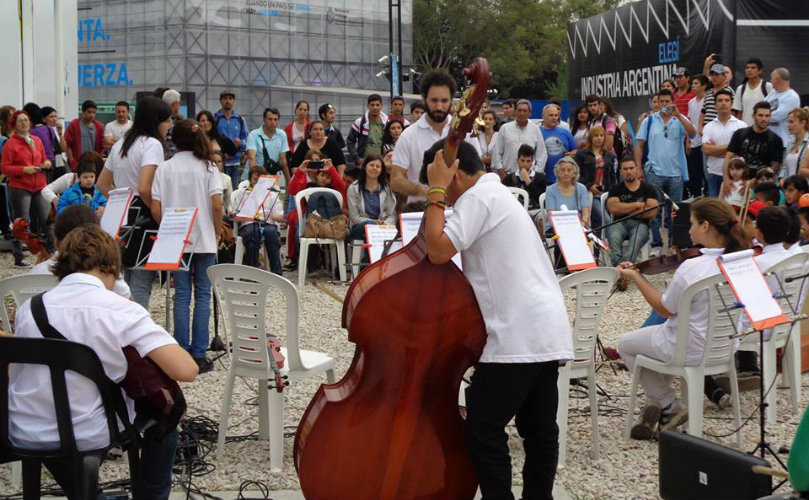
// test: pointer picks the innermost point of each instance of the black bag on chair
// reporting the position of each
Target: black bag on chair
(134, 237)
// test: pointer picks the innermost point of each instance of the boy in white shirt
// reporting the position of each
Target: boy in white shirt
(528, 335)
(265, 228)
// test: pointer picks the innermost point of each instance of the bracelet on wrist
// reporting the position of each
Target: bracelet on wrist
(440, 204)
(437, 189)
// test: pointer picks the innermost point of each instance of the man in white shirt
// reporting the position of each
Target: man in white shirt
(782, 101)
(115, 130)
(514, 134)
(751, 91)
(528, 334)
(715, 139)
(697, 175)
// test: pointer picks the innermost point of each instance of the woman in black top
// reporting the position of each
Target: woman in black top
(318, 140)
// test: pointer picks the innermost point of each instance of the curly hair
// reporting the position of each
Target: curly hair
(87, 248)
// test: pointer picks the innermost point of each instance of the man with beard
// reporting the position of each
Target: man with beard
(631, 196)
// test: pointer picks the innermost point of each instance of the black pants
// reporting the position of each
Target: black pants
(499, 391)
(696, 174)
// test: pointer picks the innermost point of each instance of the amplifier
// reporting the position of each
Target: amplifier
(682, 223)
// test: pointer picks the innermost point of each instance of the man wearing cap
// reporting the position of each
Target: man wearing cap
(230, 124)
(683, 93)
(717, 76)
(327, 114)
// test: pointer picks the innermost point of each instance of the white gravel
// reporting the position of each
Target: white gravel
(624, 469)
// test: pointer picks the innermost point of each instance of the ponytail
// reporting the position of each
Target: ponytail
(189, 136)
(723, 218)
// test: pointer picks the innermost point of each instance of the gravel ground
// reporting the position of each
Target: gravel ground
(623, 470)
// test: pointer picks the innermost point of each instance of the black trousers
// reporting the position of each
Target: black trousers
(498, 392)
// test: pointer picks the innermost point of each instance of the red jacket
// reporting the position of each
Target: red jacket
(17, 153)
(288, 131)
(73, 140)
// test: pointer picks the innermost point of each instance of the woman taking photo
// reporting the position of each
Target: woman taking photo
(24, 162)
(393, 129)
(132, 163)
(326, 145)
(578, 124)
(219, 143)
(370, 199)
(190, 179)
(714, 226)
(297, 129)
(599, 169)
(487, 138)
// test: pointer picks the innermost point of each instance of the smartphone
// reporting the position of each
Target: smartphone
(667, 110)
(717, 58)
(316, 165)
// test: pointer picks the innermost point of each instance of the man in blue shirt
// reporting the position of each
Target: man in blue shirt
(666, 167)
(558, 141)
(230, 124)
(267, 147)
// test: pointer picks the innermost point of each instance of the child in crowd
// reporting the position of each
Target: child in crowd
(265, 228)
(795, 186)
(767, 193)
(526, 177)
(738, 171)
(83, 191)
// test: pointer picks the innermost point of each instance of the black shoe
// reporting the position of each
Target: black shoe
(292, 266)
(217, 345)
(205, 365)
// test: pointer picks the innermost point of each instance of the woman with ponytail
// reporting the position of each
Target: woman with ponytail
(190, 179)
(715, 227)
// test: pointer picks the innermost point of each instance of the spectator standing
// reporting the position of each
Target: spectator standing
(85, 133)
(219, 143)
(417, 108)
(267, 147)
(393, 129)
(782, 101)
(190, 179)
(51, 118)
(578, 124)
(509, 111)
(632, 196)
(115, 130)
(697, 175)
(752, 90)
(716, 137)
(559, 142)
(297, 129)
(602, 119)
(623, 139)
(45, 134)
(558, 103)
(758, 145)
(683, 93)
(397, 106)
(795, 156)
(365, 137)
(655, 107)
(487, 138)
(598, 167)
(717, 76)
(370, 199)
(317, 140)
(666, 167)
(327, 114)
(229, 124)
(514, 134)
(172, 98)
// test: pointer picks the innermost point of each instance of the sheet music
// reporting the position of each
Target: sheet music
(376, 235)
(172, 238)
(571, 239)
(410, 223)
(751, 289)
(251, 204)
(116, 210)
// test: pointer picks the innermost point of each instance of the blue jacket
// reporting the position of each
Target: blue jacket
(234, 128)
(74, 196)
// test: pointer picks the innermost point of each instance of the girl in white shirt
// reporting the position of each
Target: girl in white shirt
(715, 226)
(190, 179)
(738, 172)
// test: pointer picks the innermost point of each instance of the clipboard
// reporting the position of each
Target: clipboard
(571, 239)
(751, 289)
(251, 205)
(410, 223)
(116, 211)
(172, 239)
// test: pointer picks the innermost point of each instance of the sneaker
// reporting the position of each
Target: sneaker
(205, 365)
(655, 252)
(724, 401)
(673, 416)
(22, 264)
(644, 427)
(291, 266)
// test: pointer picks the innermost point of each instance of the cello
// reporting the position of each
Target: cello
(391, 429)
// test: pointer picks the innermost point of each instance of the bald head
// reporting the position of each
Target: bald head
(550, 116)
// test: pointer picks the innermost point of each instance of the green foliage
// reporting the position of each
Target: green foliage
(525, 41)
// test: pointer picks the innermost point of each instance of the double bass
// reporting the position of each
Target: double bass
(391, 429)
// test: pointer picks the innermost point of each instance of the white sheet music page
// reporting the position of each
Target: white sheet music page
(410, 223)
(751, 289)
(376, 235)
(116, 210)
(571, 239)
(251, 204)
(172, 238)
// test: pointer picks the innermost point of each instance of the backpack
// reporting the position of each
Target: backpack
(645, 156)
(763, 88)
(325, 204)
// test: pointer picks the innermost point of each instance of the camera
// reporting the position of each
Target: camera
(667, 110)
(717, 58)
(316, 165)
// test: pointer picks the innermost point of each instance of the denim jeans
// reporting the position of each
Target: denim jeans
(635, 231)
(596, 218)
(672, 186)
(200, 263)
(140, 283)
(29, 205)
(357, 231)
(256, 233)
(233, 172)
(714, 185)
(156, 460)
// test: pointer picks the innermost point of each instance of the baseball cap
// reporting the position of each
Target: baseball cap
(718, 69)
(681, 71)
(228, 92)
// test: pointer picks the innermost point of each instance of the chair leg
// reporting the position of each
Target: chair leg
(791, 367)
(695, 387)
(264, 411)
(769, 373)
(341, 259)
(330, 376)
(302, 259)
(87, 484)
(633, 396)
(276, 402)
(239, 254)
(224, 413)
(736, 402)
(563, 388)
(31, 474)
(591, 384)
(16, 474)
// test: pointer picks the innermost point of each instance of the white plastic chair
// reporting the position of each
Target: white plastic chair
(717, 358)
(521, 193)
(305, 242)
(242, 293)
(356, 257)
(592, 288)
(786, 336)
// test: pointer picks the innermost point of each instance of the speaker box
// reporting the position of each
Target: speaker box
(682, 223)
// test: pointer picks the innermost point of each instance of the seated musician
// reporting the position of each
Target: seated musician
(624, 199)
(528, 334)
(715, 226)
(264, 230)
(84, 309)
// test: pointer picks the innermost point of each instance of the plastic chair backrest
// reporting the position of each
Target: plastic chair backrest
(520, 193)
(59, 356)
(306, 193)
(592, 287)
(22, 288)
(242, 292)
(793, 266)
(604, 197)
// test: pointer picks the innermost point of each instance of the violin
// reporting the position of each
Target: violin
(664, 263)
(391, 429)
(21, 230)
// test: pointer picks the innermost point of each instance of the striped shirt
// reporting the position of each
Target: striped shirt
(709, 105)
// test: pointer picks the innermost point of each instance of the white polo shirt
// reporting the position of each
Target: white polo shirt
(44, 267)
(84, 311)
(143, 152)
(719, 134)
(519, 296)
